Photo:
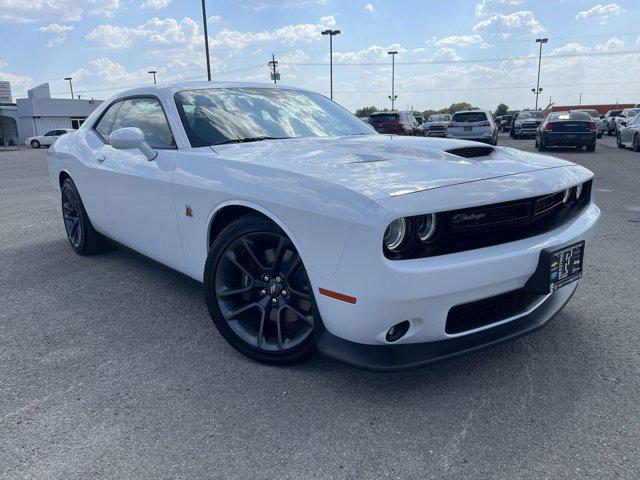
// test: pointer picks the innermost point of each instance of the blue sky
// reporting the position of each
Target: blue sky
(482, 51)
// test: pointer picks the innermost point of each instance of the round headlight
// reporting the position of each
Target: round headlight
(567, 196)
(427, 225)
(395, 234)
(579, 190)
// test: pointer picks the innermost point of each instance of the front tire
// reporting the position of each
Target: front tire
(35, 144)
(636, 143)
(80, 232)
(259, 294)
(619, 143)
(592, 147)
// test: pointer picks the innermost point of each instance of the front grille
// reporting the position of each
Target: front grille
(531, 125)
(487, 225)
(480, 313)
(435, 127)
(471, 152)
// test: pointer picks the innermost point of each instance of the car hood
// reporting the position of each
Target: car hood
(387, 165)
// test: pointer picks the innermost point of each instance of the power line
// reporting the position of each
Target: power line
(477, 60)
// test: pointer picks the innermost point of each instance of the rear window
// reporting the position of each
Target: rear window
(384, 117)
(560, 116)
(524, 115)
(468, 117)
(593, 113)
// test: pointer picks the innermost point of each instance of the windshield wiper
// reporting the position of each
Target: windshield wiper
(249, 139)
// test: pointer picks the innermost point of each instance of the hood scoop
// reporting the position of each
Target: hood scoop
(472, 152)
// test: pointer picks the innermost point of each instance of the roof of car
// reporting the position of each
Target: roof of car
(173, 87)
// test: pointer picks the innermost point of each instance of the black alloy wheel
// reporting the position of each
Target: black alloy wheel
(259, 294)
(71, 215)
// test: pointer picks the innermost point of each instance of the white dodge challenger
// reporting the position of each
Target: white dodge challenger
(311, 232)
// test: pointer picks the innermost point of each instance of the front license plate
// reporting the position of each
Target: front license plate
(566, 266)
(468, 129)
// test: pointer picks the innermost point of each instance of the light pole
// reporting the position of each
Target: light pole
(70, 85)
(393, 95)
(538, 89)
(206, 38)
(331, 33)
(153, 72)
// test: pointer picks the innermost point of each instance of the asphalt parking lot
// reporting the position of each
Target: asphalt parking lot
(110, 367)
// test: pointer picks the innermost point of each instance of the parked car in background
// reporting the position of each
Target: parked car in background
(48, 138)
(475, 125)
(595, 116)
(626, 115)
(395, 123)
(526, 123)
(419, 119)
(567, 129)
(609, 121)
(504, 125)
(436, 125)
(629, 133)
(311, 232)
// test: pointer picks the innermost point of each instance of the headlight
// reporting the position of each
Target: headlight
(567, 196)
(395, 234)
(426, 227)
(579, 191)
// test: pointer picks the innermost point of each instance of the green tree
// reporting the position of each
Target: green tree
(502, 109)
(366, 111)
(456, 107)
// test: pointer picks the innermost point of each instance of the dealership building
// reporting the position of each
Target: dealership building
(39, 113)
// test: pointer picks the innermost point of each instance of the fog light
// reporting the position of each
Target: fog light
(396, 332)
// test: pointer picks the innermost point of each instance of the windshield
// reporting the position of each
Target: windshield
(220, 115)
(592, 113)
(468, 117)
(439, 118)
(631, 113)
(530, 115)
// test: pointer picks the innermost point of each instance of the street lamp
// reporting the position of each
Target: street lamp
(331, 34)
(393, 95)
(538, 89)
(153, 72)
(206, 39)
(70, 85)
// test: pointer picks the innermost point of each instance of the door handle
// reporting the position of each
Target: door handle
(101, 158)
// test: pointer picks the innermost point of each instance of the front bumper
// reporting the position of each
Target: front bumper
(423, 290)
(525, 131)
(413, 355)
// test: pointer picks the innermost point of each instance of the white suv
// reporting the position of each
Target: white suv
(477, 125)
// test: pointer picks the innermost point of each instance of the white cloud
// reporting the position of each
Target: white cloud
(155, 4)
(59, 33)
(22, 11)
(489, 7)
(214, 19)
(369, 7)
(459, 41)
(374, 52)
(522, 22)
(155, 30)
(600, 12)
(446, 54)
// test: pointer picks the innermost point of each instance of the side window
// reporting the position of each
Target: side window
(105, 124)
(148, 116)
(51, 133)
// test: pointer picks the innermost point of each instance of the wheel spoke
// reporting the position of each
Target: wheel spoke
(251, 253)
(279, 328)
(235, 313)
(279, 253)
(260, 339)
(307, 318)
(294, 265)
(232, 258)
(228, 292)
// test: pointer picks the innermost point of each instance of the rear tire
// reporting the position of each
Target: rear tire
(35, 144)
(258, 292)
(592, 147)
(636, 143)
(80, 232)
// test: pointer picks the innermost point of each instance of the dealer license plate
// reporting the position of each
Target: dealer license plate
(566, 266)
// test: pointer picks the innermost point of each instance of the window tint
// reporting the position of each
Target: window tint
(384, 117)
(147, 115)
(469, 117)
(105, 124)
(50, 133)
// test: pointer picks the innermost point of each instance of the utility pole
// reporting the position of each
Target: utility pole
(70, 85)
(580, 99)
(538, 89)
(331, 34)
(153, 72)
(275, 76)
(206, 39)
(393, 95)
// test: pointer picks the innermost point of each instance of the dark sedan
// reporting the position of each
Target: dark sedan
(567, 129)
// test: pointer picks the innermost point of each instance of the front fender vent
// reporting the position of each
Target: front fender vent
(471, 152)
